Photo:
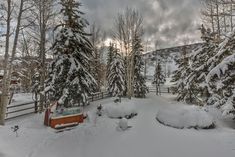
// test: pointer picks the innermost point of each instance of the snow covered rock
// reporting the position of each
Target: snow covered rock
(123, 124)
(120, 110)
(187, 117)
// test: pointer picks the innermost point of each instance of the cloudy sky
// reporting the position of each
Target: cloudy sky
(170, 22)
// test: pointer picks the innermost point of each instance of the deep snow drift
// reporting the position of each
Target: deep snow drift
(99, 136)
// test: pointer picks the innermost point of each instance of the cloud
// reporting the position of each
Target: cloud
(167, 21)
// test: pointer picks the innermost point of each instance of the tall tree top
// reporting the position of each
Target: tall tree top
(72, 38)
(72, 14)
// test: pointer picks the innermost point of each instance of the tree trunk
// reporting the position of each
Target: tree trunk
(231, 15)
(145, 67)
(36, 103)
(130, 76)
(3, 106)
(156, 88)
(212, 17)
(217, 17)
(15, 44)
(224, 18)
(42, 54)
(132, 73)
(128, 79)
(4, 96)
(159, 86)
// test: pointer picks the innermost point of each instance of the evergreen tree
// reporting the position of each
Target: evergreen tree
(159, 77)
(179, 76)
(221, 76)
(70, 81)
(140, 88)
(196, 79)
(110, 54)
(110, 57)
(96, 68)
(116, 76)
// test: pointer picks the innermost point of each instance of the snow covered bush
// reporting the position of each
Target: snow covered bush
(187, 117)
(120, 110)
(123, 124)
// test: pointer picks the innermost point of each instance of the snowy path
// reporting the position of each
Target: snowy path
(146, 138)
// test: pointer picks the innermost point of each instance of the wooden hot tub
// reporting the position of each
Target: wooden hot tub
(63, 117)
(63, 121)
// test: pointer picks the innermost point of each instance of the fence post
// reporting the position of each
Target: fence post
(36, 103)
(36, 106)
(156, 89)
(159, 90)
(102, 95)
(11, 96)
(168, 90)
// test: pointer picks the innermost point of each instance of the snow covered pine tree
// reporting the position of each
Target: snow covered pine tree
(110, 57)
(221, 76)
(179, 76)
(116, 75)
(140, 88)
(159, 77)
(69, 79)
(110, 54)
(198, 58)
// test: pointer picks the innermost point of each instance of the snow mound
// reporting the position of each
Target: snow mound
(123, 124)
(186, 117)
(120, 110)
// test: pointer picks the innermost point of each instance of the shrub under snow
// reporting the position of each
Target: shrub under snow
(120, 110)
(123, 124)
(187, 117)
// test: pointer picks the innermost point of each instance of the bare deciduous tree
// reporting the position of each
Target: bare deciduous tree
(8, 65)
(218, 15)
(43, 20)
(126, 27)
(97, 40)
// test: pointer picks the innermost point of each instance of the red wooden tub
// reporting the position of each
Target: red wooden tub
(64, 117)
(63, 121)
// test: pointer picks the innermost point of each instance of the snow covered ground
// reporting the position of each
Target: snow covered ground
(20, 98)
(99, 136)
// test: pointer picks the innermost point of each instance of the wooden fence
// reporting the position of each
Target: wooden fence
(14, 111)
(163, 89)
